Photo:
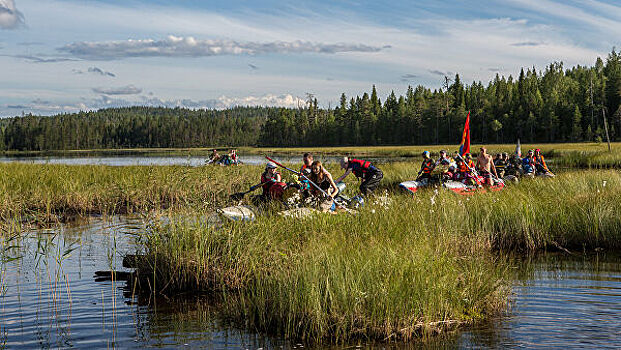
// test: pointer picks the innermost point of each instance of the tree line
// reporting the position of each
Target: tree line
(135, 127)
(553, 105)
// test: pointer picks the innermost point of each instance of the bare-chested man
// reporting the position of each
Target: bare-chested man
(485, 164)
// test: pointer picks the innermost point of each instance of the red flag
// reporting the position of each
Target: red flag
(465, 139)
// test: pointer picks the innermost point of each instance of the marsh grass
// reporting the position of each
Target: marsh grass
(411, 268)
(382, 275)
(48, 193)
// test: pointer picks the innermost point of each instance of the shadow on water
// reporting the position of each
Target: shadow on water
(49, 298)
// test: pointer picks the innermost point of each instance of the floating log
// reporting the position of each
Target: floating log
(102, 276)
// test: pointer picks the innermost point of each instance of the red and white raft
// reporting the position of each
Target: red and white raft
(455, 186)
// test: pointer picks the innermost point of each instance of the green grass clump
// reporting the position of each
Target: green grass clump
(397, 270)
(386, 275)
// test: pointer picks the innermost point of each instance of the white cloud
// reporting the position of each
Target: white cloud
(174, 46)
(10, 17)
(48, 108)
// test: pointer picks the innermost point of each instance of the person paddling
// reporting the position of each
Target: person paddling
(426, 167)
(362, 169)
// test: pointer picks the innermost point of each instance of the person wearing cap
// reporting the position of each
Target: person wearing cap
(269, 177)
(426, 167)
(362, 169)
(540, 163)
(485, 165)
(528, 163)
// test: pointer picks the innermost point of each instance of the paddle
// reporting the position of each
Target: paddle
(472, 170)
(239, 195)
(307, 179)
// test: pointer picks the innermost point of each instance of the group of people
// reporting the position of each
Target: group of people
(461, 168)
(465, 169)
(532, 164)
(227, 159)
(315, 180)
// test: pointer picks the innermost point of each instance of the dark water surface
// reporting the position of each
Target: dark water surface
(50, 299)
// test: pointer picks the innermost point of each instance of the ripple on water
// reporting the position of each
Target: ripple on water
(561, 302)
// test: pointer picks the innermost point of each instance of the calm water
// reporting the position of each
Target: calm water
(169, 160)
(52, 300)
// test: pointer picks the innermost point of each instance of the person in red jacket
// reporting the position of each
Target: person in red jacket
(362, 169)
(272, 182)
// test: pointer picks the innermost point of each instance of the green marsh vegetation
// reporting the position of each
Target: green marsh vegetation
(400, 269)
(46, 192)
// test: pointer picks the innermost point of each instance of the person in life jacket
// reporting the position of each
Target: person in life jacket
(469, 160)
(514, 165)
(302, 183)
(233, 157)
(528, 163)
(446, 165)
(362, 169)
(463, 172)
(426, 167)
(272, 182)
(501, 162)
(540, 163)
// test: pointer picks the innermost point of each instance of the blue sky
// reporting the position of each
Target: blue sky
(69, 55)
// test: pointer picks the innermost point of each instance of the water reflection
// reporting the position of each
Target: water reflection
(50, 299)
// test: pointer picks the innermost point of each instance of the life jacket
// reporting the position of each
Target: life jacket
(527, 164)
(500, 164)
(463, 168)
(428, 165)
(540, 161)
(268, 181)
(277, 190)
(360, 167)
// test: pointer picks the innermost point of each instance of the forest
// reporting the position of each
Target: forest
(551, 105)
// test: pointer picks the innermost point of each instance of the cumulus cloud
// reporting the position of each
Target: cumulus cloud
(10, 17)
(174, 46)
(47, 108)
(124, 90)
